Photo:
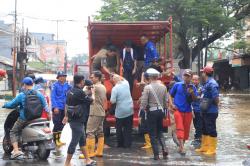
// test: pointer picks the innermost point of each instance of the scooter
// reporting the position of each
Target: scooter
(36, 137)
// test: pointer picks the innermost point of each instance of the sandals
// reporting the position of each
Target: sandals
(182, 152)
(92, 163)
(15, 156)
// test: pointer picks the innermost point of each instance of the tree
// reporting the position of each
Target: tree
(193, 19)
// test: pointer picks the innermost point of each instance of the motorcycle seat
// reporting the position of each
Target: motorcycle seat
(35, 121)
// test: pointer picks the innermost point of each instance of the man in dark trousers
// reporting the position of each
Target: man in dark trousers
(153, 101)
(209, 108)
(77, 100)
(58, 99)
(197, 120)
(123, 111)
(128, 63)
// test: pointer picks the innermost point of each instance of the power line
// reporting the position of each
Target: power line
(48, 19)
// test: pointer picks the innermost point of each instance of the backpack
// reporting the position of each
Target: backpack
(73, 112)
(33, 107)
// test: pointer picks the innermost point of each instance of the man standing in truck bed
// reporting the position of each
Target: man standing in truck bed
(100, 59)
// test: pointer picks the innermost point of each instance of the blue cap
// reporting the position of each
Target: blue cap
(27, 81)
(61, 74)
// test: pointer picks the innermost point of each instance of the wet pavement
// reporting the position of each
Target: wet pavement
(233, 136)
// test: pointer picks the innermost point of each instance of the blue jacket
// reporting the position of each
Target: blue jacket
(180, 96)
(177, 79)
(210, 90)
(196, 104)
(19, 100)
(150, 53)
(58, 94)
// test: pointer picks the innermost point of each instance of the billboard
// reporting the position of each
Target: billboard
(53, 53)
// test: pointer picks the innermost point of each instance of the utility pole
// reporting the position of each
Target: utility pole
(21, 54)
(14, 55)
(65, 63)
(22, 58)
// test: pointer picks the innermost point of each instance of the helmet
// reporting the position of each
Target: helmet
(152, 72)
(61, 74)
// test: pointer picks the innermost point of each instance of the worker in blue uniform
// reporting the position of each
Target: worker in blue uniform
(58, 99)
(209, 111)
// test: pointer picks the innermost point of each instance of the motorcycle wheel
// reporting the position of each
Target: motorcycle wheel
(7, 147)
(42, 152)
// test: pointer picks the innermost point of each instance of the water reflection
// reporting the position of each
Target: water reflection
(233, 134)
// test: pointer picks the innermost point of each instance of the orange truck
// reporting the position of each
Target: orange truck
(159, 32)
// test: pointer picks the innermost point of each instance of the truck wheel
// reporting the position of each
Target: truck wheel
(106, 131)
(7, 147)
(42, 152)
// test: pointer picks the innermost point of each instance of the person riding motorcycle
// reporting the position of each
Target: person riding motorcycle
(39, 86)
(19, 100)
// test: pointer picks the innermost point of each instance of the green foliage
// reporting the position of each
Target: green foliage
(241, 45)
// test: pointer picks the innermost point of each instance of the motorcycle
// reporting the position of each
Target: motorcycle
(36, 137)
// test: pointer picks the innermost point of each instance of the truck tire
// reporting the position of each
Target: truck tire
(42, 152)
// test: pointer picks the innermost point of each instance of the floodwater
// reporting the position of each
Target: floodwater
(233, 127)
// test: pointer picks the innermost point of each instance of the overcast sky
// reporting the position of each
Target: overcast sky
(38, 13)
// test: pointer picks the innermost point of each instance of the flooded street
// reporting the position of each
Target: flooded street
(233, 136)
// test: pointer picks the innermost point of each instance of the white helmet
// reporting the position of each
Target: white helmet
(152, 72)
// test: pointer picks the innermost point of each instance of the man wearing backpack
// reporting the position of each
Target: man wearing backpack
(128, 63)
(29, 109)
(58, 99)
